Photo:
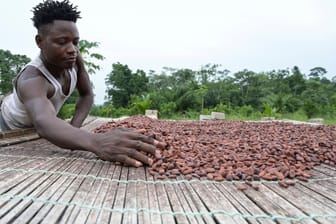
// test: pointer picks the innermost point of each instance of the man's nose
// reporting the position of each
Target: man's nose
(72, 48)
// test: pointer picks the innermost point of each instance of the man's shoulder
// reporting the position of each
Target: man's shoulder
(30, 72)
(31, 79)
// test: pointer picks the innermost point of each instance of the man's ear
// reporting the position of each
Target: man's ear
(38, 40)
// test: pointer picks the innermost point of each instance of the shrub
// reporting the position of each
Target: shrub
(67, 111)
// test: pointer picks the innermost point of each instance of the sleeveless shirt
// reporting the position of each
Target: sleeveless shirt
(13, 110)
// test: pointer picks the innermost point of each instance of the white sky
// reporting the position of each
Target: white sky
(259, 35)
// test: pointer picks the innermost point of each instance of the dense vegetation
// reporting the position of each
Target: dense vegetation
(185, 93)
(10, 66)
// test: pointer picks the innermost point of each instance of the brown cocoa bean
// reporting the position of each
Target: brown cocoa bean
(161, 171)
(292, 174)
(282, 184)
(290, 183)
(210, 170)
(175, 171)
(241, 187)
(234, 151)
(255, 187)
(302, 178)
(171, 176)
(188, 177)
(210, 176)
(196, 175)
(218, 178)
(187, 171)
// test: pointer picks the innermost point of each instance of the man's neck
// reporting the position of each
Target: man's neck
(53, 69)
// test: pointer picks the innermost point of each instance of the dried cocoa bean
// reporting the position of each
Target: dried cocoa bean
(210, 170)
(187, 171)
(210, 176)
(234, 150)
(219, 178)
(161, 171)
(241, 187)
(282, 184)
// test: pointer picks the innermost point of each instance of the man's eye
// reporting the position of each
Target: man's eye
(61, 42)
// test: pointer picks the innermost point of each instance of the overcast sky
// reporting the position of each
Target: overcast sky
(259, 35)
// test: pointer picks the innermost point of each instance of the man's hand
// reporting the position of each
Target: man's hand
(127, 147)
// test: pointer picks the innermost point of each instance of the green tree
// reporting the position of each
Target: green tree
(278, 81)
(10, 66)
(211, 73)
(317, 72)
(139, 104)
(85, 48)
(311, 109)
(191, 96)
(253, 87)
(200, 94)
(182, 91)
(296, 81)
(183, 77)
(243, 79)
(122, 83)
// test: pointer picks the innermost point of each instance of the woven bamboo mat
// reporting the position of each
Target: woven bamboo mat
(41, 183)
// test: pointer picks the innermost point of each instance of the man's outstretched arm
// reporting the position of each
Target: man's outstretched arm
(117, 145)
(85, 100)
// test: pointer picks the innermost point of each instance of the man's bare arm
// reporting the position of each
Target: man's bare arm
(33, 93)
(85, 99)
(117, 145)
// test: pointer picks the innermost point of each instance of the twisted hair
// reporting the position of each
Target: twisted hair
(50, 10)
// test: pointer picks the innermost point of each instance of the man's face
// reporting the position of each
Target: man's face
(58, 42)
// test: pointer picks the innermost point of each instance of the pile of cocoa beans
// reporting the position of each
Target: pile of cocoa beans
(235, 150)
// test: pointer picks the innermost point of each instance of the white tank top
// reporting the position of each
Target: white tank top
(14, 112)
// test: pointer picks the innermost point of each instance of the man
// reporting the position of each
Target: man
(44, 84)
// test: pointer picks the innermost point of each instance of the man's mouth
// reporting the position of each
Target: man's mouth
(72, 59)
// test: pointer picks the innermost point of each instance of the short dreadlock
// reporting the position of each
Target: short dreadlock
(50, 10)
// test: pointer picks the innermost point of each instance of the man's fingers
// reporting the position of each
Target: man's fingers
(150, 140)
(150, 148)
(144, 143)
(139, 131)
(135, 154)
(125, 160)
(147, 139)
(159, 144)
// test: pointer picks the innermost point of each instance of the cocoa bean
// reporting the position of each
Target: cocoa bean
(241, 187)
(161, 171)
(255, 187)
(187, 171)
(210, 176)
(218, 178)
(302, 178)
(210, 170)
(282, 184)
(233, 150)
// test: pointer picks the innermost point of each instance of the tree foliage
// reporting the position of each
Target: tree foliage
(181, 90)
(10, 66)
(122, 83)
(90, 58)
